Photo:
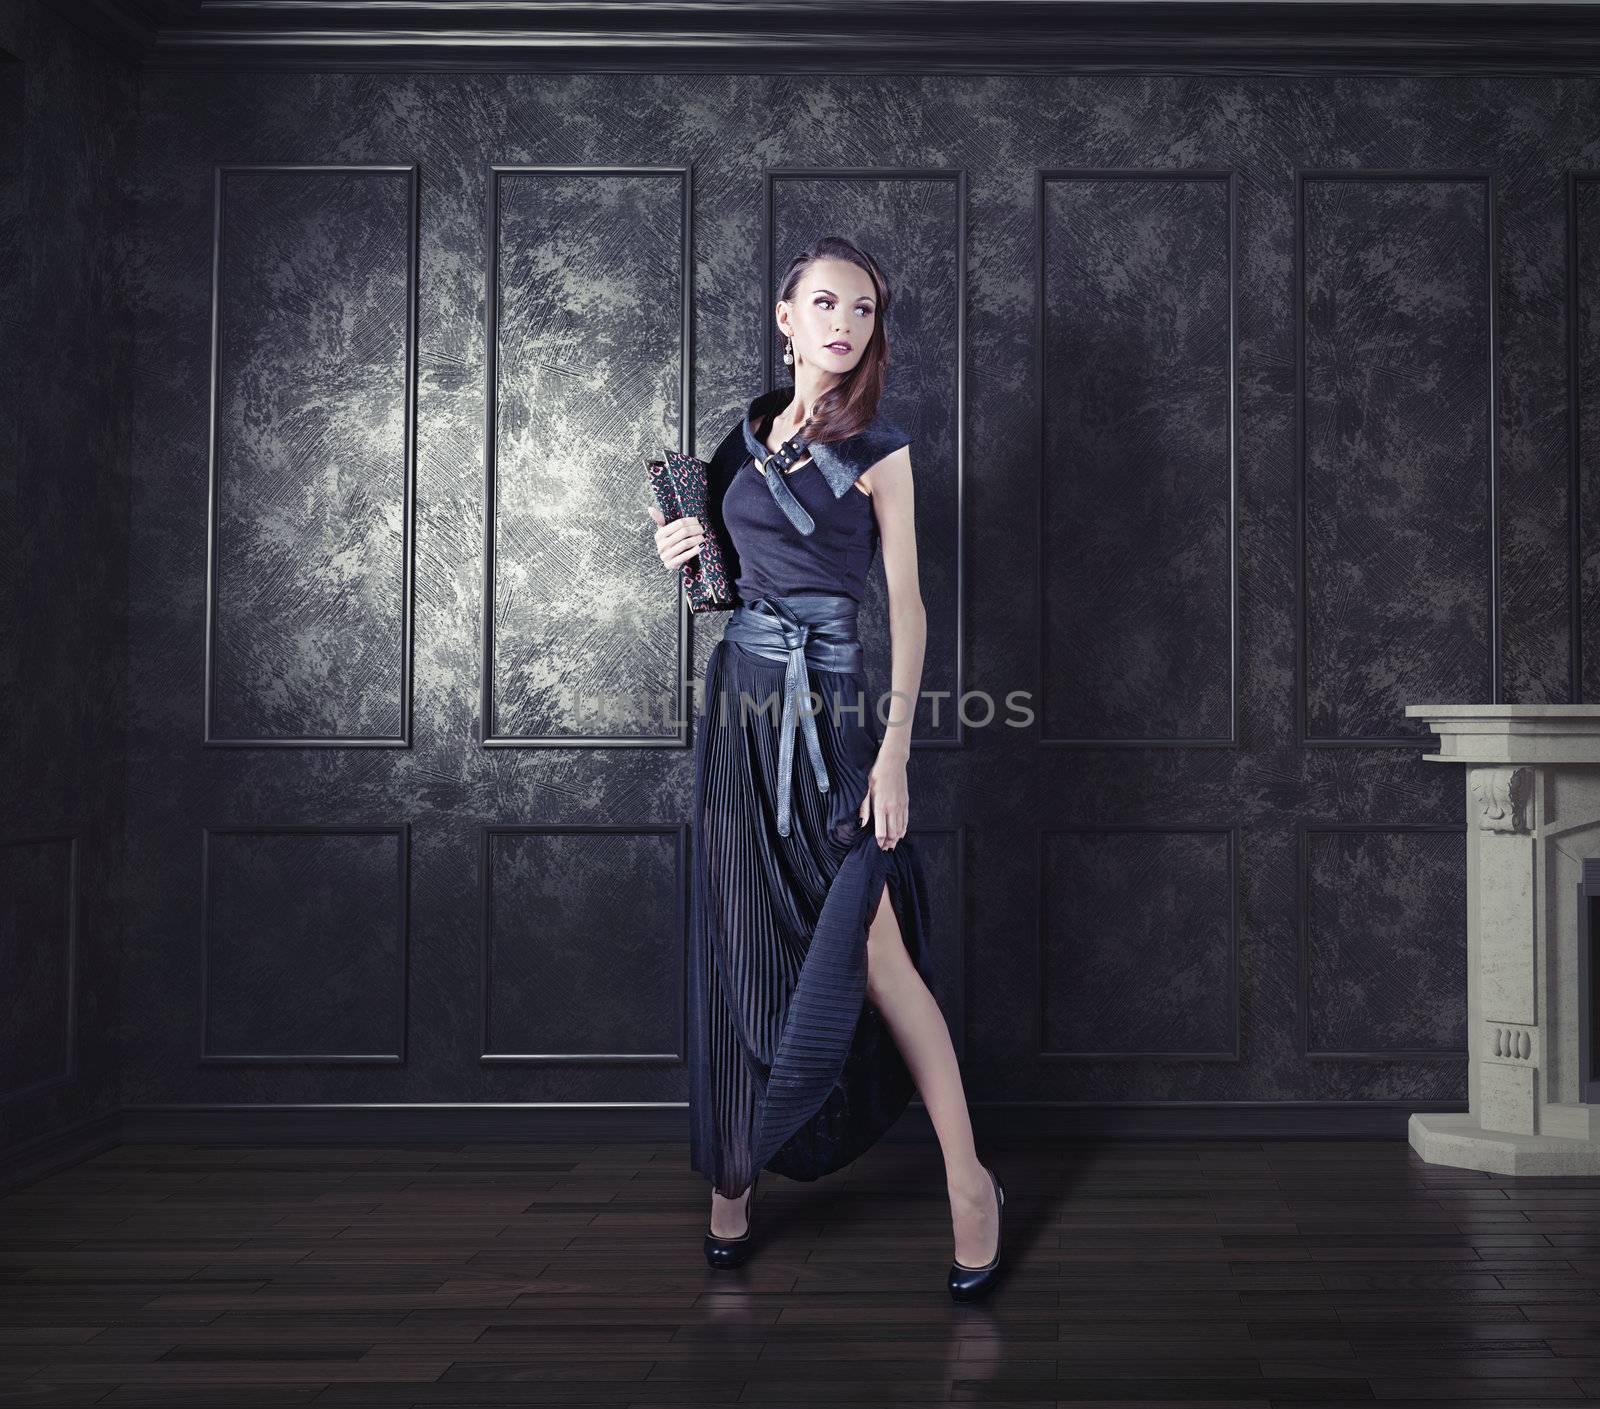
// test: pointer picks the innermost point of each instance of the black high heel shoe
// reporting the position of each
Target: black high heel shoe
(969, 1283)
(731, 1252)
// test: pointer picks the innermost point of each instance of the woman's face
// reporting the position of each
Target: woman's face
(831, 316)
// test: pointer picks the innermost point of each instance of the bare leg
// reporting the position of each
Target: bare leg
(898, 991)
(730, 1217)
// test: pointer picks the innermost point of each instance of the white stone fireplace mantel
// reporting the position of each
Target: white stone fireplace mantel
(1532, 791)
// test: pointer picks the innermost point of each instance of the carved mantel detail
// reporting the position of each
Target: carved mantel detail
(1503, 795)
(1511, 1044)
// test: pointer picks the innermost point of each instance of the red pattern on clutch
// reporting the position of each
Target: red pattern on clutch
(679, 485)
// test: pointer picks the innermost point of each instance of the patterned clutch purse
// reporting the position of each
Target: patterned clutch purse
(679, 484)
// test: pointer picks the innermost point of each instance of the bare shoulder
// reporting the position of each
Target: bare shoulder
(894, 469)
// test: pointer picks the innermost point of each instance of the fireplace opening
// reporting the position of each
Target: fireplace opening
(1589, 982)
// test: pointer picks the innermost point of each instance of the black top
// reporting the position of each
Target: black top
(774, 557)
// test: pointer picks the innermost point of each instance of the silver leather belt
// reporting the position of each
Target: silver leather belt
(800, 630)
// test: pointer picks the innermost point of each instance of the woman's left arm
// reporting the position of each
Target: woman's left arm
(893, 501)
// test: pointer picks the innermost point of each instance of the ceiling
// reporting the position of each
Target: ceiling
(913, 36)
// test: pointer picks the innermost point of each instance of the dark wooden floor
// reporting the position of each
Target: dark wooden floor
(1141, 1274)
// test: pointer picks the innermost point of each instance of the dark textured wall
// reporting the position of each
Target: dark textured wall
(66, 153)
(1168, 347)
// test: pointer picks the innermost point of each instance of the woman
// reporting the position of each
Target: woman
(810, 1005)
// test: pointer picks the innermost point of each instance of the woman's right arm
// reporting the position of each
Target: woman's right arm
(678, 541)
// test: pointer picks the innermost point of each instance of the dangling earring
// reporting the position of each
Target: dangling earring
(788, 354)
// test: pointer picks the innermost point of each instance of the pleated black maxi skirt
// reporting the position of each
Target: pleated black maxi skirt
(792, 1068)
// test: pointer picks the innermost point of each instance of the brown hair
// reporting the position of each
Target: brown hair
(848, 408)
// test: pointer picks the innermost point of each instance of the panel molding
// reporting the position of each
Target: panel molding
(488, 737)
(1303, 175)
(401, 831)
(1302, 948)
(1233, 1052)
(680, 833)
(408, 493)
(1042, 177)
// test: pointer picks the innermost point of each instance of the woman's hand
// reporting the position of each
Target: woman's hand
(888, 800)
(677, 541)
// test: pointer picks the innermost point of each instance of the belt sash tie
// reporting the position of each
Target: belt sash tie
(799, 631)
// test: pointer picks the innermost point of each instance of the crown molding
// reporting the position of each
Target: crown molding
(858, 36)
